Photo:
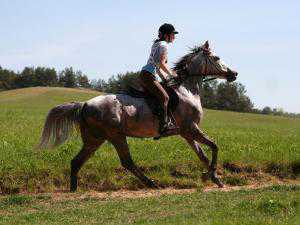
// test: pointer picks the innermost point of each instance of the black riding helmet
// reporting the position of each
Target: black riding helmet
(167, 28)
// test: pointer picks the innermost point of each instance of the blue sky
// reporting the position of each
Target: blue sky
(260, 39)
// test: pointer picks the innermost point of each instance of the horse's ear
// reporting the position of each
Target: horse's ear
(216, 58)
(206, 45)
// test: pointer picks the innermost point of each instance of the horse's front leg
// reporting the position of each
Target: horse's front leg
(192, 134)
(199, 151)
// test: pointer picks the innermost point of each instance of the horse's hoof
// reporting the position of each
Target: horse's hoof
(73, 188)
(205, 176)
(221, 185)
(152, 184)
(212, 175)
(217, 181)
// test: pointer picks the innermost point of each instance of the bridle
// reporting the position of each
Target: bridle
(183, 74)
(209, 61)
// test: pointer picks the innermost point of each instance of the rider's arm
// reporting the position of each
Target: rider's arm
(165, 68)
(161, 75)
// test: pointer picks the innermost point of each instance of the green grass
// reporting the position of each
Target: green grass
(263, 142)
(273, 205)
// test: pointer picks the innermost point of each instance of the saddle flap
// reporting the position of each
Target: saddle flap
(151, 100)
(138, 93)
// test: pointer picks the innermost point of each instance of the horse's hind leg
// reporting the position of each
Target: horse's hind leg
(90, 145)
(122, 148)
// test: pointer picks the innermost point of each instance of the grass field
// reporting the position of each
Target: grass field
(249, 142)
(273, 205)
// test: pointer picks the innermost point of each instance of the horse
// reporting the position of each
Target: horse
(114, 117)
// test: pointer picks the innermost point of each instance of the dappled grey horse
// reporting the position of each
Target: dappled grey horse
(113, 117)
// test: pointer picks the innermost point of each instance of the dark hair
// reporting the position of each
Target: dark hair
(158, 40)
(161, 37)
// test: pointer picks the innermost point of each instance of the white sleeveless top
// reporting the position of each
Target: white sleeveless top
(157, 49)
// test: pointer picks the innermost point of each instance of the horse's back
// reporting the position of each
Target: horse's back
(115, 103)
(128, 114)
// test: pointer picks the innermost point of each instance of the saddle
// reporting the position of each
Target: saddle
(152, 101)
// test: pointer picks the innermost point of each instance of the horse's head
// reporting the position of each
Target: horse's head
(203, 62)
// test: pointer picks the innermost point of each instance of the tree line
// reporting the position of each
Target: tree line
(42, 76)
(214, 95)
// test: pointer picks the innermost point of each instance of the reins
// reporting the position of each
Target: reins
(209, 79)
(212, 78)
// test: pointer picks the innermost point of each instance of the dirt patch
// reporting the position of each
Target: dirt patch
(146, 193)
(179, 177)
(121, 194)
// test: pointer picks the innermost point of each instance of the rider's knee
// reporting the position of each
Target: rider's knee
(166, 99)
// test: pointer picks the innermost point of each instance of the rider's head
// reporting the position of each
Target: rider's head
(167, 32)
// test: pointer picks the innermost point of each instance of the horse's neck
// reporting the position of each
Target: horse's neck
(189, 93)
(193, 84)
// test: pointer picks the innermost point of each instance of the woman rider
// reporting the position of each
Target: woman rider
(157, 64)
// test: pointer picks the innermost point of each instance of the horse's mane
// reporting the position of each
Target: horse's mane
(181, 63)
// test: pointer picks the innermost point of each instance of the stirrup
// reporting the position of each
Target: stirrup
(166, 130)
(167, 126)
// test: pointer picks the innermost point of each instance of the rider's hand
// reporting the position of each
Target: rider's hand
(168, 78)
(174, 74)
(171, 76)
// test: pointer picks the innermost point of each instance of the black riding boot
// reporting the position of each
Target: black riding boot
(166, 124)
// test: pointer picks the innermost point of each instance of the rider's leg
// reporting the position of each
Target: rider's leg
(164, 99)
(154, 88)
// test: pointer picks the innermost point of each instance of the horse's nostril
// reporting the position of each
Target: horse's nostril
(232, 76)
(234, 72)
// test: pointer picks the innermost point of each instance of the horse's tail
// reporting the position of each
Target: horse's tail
(60, 123)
